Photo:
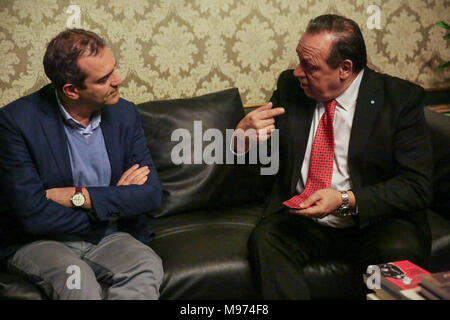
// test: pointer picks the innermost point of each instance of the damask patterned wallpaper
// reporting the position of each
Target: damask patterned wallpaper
(183, 48)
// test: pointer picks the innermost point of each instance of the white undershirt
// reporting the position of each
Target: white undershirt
(343, 119)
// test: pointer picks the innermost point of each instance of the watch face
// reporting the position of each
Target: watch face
(78, 199)
(344, 211)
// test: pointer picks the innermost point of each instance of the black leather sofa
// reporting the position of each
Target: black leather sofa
(209, 210)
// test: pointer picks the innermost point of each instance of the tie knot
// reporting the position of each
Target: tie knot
(330, 105)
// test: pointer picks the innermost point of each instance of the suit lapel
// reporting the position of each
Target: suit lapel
(53, 128)
(300, 125)
(368, 105)
(112, 142)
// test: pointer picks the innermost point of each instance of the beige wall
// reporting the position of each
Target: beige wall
(183, 48)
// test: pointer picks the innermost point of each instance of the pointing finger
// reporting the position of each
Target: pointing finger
(267, 106)
(267, 114)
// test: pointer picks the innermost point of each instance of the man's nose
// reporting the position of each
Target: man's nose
(116, 79)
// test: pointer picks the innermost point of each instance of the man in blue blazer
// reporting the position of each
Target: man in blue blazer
(76, 176)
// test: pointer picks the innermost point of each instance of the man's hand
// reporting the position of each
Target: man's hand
(262, 121)
(134, 175)
(320, 204)
(62, 196)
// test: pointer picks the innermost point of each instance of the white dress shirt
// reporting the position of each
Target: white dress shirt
(343, 119)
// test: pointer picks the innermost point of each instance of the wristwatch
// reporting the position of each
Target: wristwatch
(345, 209)
(78, 199)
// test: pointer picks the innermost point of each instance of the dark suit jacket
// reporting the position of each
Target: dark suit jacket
(389, 153)
(34, 157)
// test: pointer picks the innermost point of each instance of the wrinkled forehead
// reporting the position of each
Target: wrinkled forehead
(315, 45)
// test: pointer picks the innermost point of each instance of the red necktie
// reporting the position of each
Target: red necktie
(321, 161)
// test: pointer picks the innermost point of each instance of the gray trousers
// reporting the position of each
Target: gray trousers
(118, 267)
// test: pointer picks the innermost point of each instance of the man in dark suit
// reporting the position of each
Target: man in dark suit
(75, 178)
(355, 169)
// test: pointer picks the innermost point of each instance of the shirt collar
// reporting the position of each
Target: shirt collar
(96, 118)
(348, 98)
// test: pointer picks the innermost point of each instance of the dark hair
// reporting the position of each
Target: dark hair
(349, 43)
(61, 57)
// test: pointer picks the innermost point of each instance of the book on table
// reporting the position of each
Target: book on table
(436, 285)
(428, 294)
(398, 280)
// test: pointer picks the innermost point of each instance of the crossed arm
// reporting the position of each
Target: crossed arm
(135, 175)
(22, 161)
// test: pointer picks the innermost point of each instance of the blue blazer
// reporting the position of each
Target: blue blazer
(34, 157)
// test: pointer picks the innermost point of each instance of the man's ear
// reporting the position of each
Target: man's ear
(70, 91)
(345, 69)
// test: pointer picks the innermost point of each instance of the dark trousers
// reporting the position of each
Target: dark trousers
(284, 245)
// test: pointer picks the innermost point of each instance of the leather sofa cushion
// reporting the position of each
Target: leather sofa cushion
(205, 254)
(190, 186)
(440, 246)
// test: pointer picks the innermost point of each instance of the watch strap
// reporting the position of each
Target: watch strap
(345, 200)
(344, 209)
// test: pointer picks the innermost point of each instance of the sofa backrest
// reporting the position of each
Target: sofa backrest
(194, 186)
(179, 131)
